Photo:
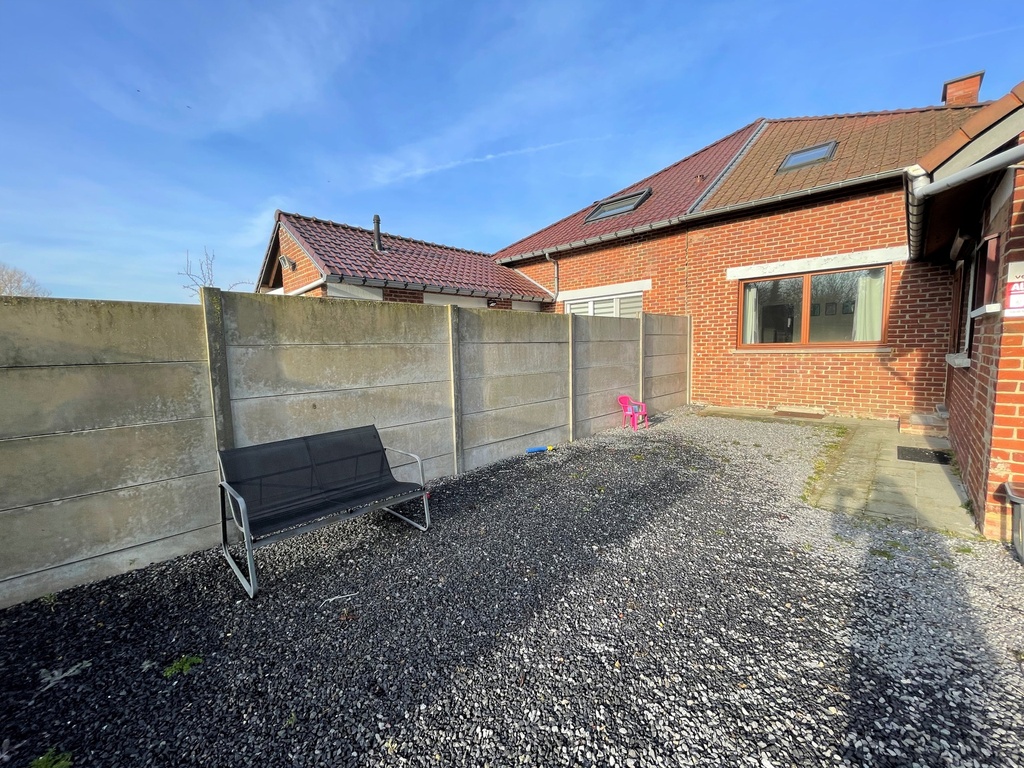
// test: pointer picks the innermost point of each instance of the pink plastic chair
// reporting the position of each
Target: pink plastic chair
(634, 411)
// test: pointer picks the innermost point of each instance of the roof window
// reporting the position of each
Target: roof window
(801, 157)
(617, 205)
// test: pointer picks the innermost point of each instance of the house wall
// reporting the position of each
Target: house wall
(306, 270)
(107, 458)
(114, 411)
(986, 400)
(688, 273)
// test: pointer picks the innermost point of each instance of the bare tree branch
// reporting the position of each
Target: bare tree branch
(201, 274)
(15, 282)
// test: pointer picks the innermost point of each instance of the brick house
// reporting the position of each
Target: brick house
(817, 278)
(315, 257)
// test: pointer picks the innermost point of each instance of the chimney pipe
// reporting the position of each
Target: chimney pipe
(962, 90)
(377, 246)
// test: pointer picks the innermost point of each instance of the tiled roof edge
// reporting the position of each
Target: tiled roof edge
(385, 234)
(911, 110)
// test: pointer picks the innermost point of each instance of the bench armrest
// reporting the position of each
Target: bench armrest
(243, 511)
(419, 463)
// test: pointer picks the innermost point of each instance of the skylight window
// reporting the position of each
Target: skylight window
(617, 205)
(801, 157)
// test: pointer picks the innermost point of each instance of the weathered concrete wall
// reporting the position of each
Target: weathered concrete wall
(106, 452)
(514, 383)
(667, 341)
(606, 360)
(299, 367)
(112, 412)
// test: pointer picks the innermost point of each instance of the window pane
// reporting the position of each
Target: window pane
(578, 308)
(604, 307)
(847, 306)
(772, 311)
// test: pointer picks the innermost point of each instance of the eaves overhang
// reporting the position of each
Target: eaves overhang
(713, 213)
(441, 289)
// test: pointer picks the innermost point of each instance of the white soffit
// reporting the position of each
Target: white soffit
(346, 291)
(820, 263)
(600, 291)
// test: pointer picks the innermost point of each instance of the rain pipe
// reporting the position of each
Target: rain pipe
(547, 255)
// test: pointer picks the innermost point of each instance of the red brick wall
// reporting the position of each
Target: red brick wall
(403, 296)
(986, 401)
(305, 271)
(687, 270)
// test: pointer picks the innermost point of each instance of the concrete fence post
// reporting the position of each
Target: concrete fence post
(572, 376)
(217, 354)
(642, 341)
(455, 365)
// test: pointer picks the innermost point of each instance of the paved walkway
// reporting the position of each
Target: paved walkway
(864, 477)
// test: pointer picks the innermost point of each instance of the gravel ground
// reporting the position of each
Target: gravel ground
(659, 598)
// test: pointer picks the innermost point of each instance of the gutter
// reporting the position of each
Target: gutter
(377, 283)
(702, 215)
(305, 288)
(920, 188)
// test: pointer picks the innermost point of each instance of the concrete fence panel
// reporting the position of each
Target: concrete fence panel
(667, 342)
(509, 362)
(106, 442)
(303, 367)
(606, 364)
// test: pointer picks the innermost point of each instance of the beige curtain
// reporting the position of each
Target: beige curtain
(867, 314)
(751, 315)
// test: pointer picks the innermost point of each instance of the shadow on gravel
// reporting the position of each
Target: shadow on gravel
(920, 689)
(289, 678)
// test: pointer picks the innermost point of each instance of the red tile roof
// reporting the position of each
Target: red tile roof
(741, 169)
(347, 252)
(673, 191)
(868, 144)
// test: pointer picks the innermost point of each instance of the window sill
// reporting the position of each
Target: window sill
(988, 309)
(958, 360)
(790, 349)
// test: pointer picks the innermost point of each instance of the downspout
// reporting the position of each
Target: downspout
(917, 179)
(547, 255)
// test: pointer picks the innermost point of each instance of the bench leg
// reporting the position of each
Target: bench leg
(251, 584)
(413, 523)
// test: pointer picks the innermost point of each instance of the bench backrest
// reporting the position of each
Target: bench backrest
(272, 475)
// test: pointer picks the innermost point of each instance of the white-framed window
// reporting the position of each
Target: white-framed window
(628, 305)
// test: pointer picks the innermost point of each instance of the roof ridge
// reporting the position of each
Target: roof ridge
(875, 113)
(369, 232)
(636, 183)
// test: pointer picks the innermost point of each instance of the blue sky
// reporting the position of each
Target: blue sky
(135, 131)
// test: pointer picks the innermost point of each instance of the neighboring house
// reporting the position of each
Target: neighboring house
(816, 277)
(313, 257)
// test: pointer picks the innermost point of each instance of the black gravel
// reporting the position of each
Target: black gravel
(658, 598)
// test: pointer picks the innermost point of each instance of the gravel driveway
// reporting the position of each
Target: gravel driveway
(659, 598)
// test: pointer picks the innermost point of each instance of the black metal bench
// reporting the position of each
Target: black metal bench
(281, 489)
